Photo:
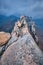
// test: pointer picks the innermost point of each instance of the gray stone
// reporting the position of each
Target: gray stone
(2, 49)
(12, 40)
(18, 54)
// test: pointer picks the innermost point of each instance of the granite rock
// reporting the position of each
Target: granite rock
(4, 37)
(23, 52)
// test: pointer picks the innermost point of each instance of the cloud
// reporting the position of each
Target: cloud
(32, 8)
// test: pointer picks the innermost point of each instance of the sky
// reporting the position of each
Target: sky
(32, 8)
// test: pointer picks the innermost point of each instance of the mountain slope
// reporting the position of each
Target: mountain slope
(23, 50)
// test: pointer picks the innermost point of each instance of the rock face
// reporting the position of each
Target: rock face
(21, 48)
(4, 37)
(23, 52)
(20, 28)
(2, 49)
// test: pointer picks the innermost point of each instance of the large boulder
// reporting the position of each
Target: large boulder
(23, 52)
(4, 37)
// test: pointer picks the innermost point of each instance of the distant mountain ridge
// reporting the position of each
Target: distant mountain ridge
(7, 22)
(39, 23)
(7, 25)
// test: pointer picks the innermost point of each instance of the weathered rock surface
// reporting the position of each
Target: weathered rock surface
(20, 28)
(13, 39)
(4, 37)
(2, 49)
(21, 48)
(23, 52)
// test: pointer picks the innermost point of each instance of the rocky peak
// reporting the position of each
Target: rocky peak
(24, 26)
(22, 49)
(21, 27)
